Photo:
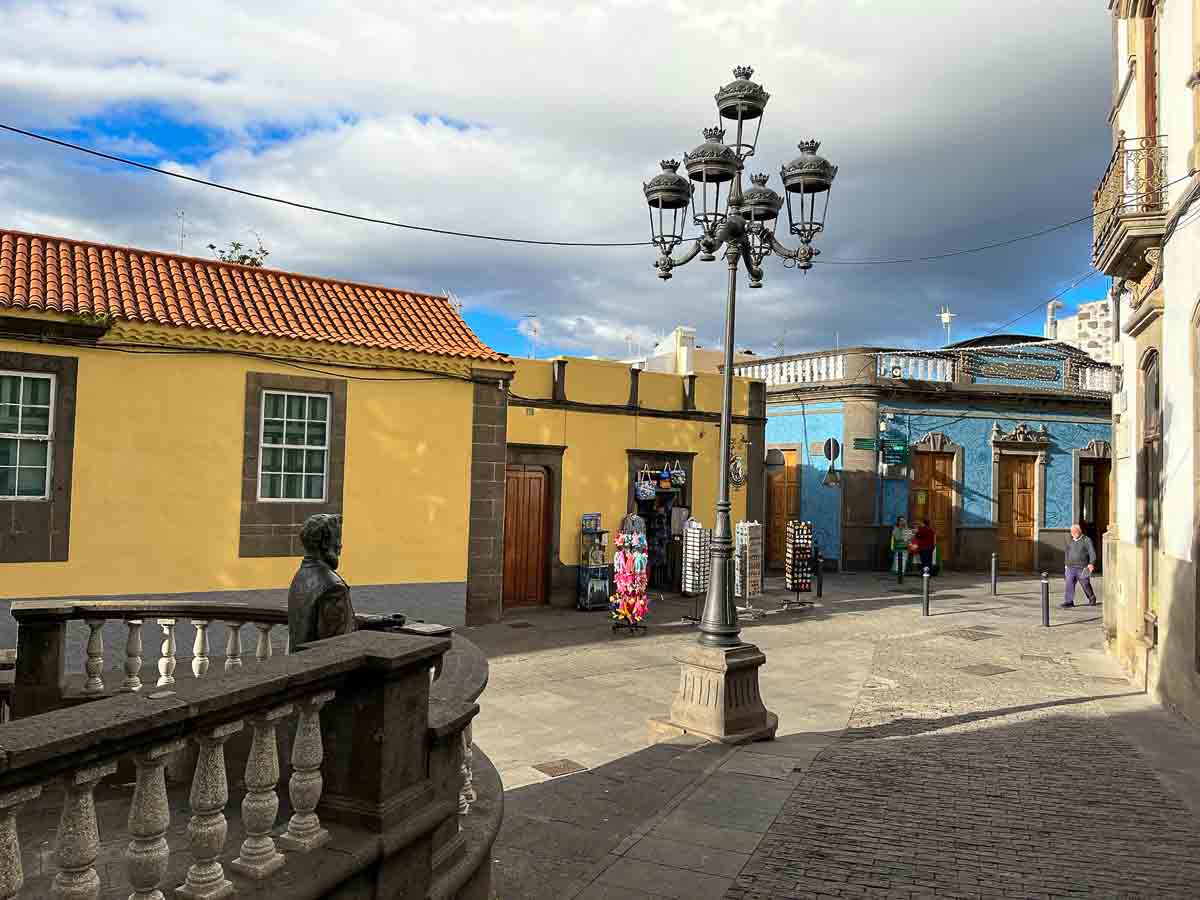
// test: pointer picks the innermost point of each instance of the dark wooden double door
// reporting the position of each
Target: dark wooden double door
(526, 535)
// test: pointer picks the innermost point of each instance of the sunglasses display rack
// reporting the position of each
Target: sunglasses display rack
(800, 562)
(748, 567)
(697, 563)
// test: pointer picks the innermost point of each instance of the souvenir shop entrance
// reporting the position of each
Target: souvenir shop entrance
(660, 491)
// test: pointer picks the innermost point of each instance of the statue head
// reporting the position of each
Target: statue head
(321, 536)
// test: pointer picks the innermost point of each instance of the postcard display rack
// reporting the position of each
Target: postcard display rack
(748, 567)
(595, 574)
(800, 562)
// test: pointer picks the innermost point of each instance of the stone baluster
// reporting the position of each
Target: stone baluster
(304, 831)
(207, 829)
(147, 855)
(95, 658)
(200, 660)
(133, 656)
(79, 836)
(466, 795)
(233, 646)
(166, 653)
(262, 652)
(12, 877)
(260, 807)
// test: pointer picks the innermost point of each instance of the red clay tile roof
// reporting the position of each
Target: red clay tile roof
(53, 274)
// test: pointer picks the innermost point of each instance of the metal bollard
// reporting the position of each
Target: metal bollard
(899, 567)
(995, 573)
(925, 591)
(820, 575)
(1045, 600)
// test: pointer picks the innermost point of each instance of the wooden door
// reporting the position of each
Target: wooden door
(931, 496)
(1093, 512)
(526, 535)
(783, 486)
(1016, 514)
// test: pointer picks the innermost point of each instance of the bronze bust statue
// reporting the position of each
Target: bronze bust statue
(319, 599)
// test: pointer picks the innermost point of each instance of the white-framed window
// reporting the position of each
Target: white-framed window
(26, 435)
(293, 453)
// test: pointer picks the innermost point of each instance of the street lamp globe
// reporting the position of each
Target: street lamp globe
(807, 180)
(742, 102)
(712, 166)
(760, 207)
(668, 195)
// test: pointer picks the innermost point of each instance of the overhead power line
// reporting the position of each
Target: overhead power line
(374, 220)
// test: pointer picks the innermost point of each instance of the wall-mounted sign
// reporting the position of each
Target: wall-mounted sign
(1027, 372)
(832, 449)
(866, 444)
(895, 452)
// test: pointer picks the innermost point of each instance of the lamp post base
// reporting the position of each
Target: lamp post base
(718, 697)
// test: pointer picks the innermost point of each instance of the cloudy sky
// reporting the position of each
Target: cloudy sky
(954, 122)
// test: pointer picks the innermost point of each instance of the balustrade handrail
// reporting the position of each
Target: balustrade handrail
(81, 610)
(51, 743)
(364, 677)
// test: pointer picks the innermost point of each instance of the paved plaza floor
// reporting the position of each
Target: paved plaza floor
(972, 753)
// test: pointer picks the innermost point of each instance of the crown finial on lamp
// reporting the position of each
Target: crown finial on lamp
(809, 146)
(743, 72)
(669, 165)
(760, 180)
(716, 133)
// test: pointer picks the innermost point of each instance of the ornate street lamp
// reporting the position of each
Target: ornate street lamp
(741, 226)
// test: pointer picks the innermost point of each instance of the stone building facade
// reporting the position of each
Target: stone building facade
(1144, 239)
(1091, 328)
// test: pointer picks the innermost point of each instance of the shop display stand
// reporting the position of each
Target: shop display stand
(595, 575)
(748, 567)
(630, 604)
(697, 565)
(800, 564)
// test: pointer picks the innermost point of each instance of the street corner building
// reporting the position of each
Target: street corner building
(1000, 442)
(581, 432)
(1145, 203)
(167, 423)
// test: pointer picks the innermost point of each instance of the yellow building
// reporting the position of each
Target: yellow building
(580, 431)
(167, 423)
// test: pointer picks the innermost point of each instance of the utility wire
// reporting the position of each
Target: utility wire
(295, 204)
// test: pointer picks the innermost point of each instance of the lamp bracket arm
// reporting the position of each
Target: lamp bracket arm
(802, 256)
(665, 262)
(753, 269)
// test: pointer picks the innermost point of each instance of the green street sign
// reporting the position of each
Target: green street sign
(866, 444)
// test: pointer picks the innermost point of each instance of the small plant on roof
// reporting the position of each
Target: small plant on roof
(242, 254)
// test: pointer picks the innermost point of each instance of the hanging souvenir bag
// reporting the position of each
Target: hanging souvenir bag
(643, 489)
(678, 476)
(664, 478)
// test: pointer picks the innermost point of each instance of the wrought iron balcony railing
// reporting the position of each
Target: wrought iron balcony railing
(1132, 190)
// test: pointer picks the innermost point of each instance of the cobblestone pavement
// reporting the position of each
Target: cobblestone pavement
(978, 764)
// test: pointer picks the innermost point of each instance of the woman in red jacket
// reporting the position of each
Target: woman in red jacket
(925, 539)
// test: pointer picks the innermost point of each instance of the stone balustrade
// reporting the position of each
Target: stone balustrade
(387, 796)
(913, 367)
(808, 368)
(42, 682)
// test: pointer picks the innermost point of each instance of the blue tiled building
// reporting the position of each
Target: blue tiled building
(1007, 441)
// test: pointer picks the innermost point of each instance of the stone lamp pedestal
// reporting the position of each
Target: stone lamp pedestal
(718, 697)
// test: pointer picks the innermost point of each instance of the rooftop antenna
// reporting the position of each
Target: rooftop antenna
(532, 331)
(946, 318)
(182, 217)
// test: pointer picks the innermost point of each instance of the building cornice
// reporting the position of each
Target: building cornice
(615, 409)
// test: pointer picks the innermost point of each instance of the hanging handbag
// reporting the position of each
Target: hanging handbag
(678, 476)
(664, 478)
(643, 489)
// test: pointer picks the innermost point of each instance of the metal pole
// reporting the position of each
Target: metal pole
(995, 574)
(925, 591)
(719, 623)
(820, 575)
(1045, 600)
(899, 567)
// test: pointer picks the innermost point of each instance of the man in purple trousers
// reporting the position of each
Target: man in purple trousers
(1081, 562)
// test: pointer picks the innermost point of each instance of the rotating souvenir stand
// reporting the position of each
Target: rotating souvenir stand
(799, 563)
(697, 564)
(748, 566)
(630, 604)
(595, 574)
